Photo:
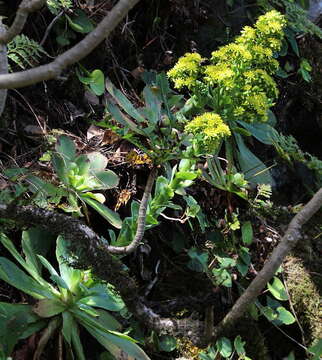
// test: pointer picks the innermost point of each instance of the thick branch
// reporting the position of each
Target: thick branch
(287, 243)
(92, 254)
(71, 56)
(141, 219)
(25, 8)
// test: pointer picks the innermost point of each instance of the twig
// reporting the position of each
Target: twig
(141, 219)
(71, 56)
(50, 26)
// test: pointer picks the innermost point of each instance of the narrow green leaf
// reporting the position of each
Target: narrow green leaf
(71, 276)
(111, 216)
(123, 102)
(263, 132)
(11, 274)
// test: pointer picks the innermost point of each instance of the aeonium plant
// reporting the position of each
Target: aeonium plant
(83, 174)
(73, 299)
(236, 84)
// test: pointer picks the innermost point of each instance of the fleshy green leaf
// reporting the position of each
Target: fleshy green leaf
(49, 307)
(66, 148)
(11, 274)
(254, 169)
(111, 216)
(97, 161)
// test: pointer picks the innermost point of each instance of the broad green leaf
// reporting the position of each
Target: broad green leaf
(111, 216)
(108, 179)
(247, 232)
(263, 132)
(277, 289)
(285, 316)
(167, 343)
(46, 308)
(97, 83)
(224, 346)
(79, 22)
(253, 168)
(11, 274)
(66, 148)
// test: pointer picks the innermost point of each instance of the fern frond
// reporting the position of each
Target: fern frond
(55, 6)
(25, 52)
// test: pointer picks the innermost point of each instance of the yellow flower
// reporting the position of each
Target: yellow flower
(186, 70)
(208, 129)
(217, 73)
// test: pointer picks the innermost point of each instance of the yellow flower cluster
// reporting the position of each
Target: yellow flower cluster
(208, 129)
(186, 70)
(241, 70)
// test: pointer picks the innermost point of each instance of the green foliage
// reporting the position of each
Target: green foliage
(226, 349)
(76, 298)
(25, 52)
(289, 150)
(238, 87)
(83, 174)
(155, 121)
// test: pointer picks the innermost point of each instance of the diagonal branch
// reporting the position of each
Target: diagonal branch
(141, 219)
(3, 68)
(287, 243)
(71, 56)
(25, 8)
